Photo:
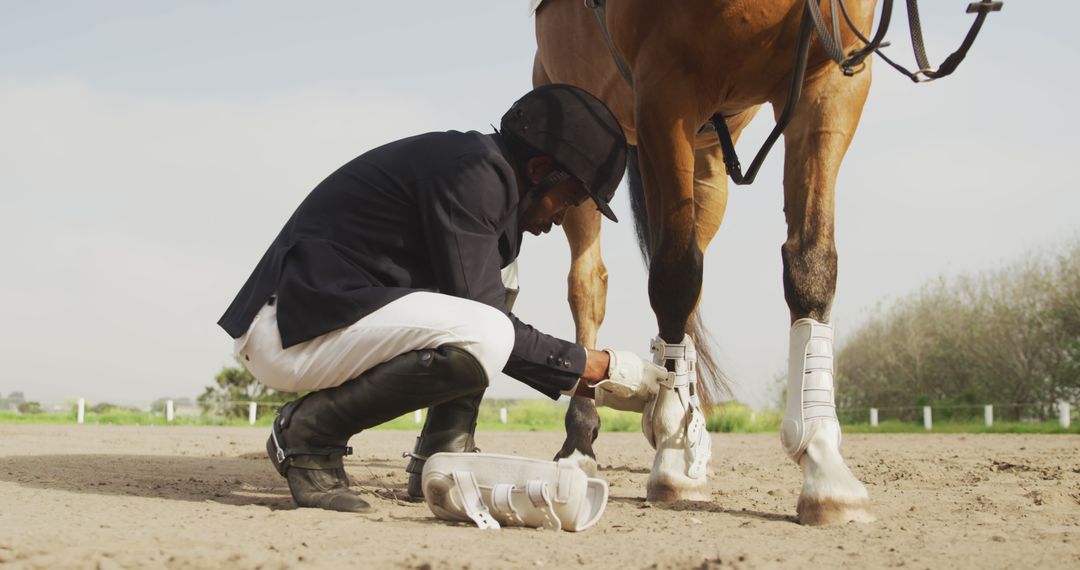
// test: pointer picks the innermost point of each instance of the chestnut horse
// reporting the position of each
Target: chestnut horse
(688, 61)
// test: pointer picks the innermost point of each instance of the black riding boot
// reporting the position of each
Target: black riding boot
(449, 427)
(309, 436)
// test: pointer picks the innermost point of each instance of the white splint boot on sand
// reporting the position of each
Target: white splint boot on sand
(493, 490)
(810, 433)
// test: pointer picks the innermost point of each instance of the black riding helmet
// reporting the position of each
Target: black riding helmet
(578, 131)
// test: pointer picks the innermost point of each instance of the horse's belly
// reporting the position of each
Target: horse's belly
(734, 54)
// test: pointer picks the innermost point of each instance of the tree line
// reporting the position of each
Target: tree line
(1008, 336)
(233, 388)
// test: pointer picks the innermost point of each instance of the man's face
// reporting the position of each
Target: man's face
(549, 208)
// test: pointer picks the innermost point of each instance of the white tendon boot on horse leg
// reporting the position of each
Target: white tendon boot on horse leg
(675, 426)
(811, 431)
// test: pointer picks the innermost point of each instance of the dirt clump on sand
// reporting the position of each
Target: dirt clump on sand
(205, 497)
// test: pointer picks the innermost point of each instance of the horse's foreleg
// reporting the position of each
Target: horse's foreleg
(674, 425)
(815, 142)
(666, 159)
(587, 293)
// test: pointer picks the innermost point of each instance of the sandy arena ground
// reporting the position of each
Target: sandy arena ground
(112, 497)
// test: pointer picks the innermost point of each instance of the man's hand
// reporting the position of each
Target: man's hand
(630, 382)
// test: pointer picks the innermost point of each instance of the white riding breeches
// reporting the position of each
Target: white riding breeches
(420, 320)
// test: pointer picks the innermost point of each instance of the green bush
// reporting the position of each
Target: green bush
(106, 408)
(735, 417)
(233, 389)
(30, 408)
(1003, 337)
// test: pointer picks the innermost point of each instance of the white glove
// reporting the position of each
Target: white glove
(630, 384)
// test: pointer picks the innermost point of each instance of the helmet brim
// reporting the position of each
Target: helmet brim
(603, 206)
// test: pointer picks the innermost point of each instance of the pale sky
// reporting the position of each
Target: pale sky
(150, 151)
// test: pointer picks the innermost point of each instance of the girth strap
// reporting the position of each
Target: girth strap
(723, 134)
(597, 7)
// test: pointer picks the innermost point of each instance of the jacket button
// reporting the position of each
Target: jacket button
(566, 364)
(551, 359)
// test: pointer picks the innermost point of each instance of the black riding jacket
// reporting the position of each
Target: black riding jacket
(435, 212)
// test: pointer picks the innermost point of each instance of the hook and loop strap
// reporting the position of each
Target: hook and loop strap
(666, 351)
(502, 504)
(699, 444)
(475, 509)
(540, 496)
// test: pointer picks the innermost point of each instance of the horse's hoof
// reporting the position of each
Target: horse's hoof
(586, 463)
(667, 490)
(821, 512)
(665, 494)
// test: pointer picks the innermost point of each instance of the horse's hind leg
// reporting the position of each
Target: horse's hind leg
(815, 142)
(587, 292)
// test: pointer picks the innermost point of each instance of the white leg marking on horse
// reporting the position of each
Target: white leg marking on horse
(587, 464)
(831, 494)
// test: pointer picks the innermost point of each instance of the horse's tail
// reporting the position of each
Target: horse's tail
(713, 385)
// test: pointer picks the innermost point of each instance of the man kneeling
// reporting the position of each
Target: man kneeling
(383, 293)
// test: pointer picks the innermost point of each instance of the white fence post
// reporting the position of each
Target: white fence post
(873, 417)
(988, 413)
(927, 420)
(502, 415)
(418, 416)
(82, 409)
(169, 411)
(1065, 414)
(252, 409)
